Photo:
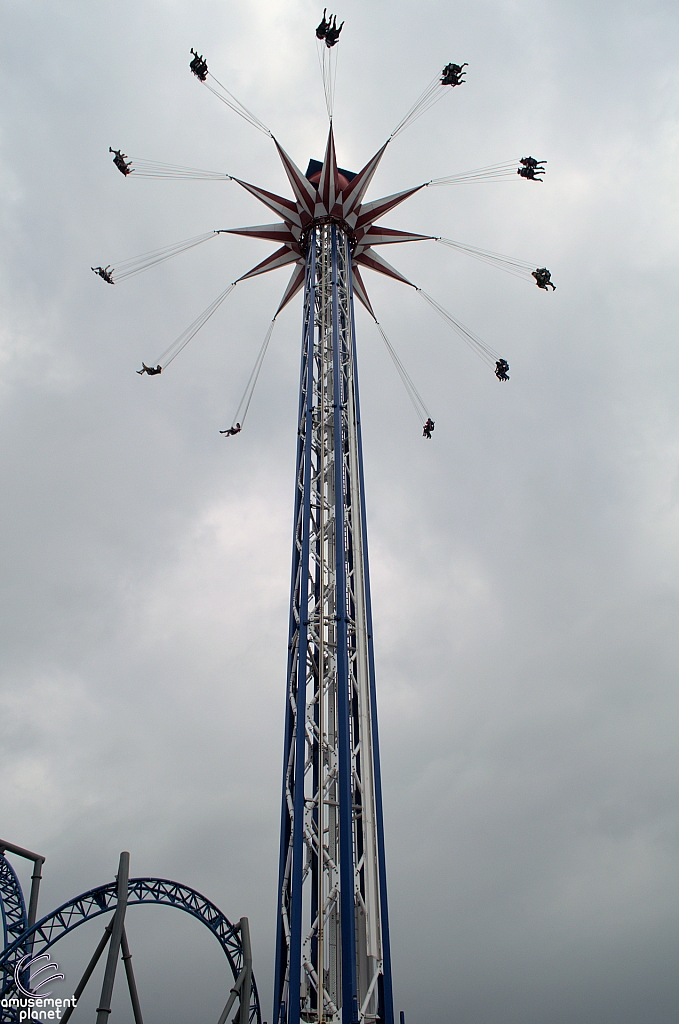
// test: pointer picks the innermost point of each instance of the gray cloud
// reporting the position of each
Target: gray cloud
(524, 563)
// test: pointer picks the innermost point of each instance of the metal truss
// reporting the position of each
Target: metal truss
(14, 920)
(104, 899)
(332, 854)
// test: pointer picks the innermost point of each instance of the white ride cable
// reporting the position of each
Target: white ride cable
(239, 108)
(510, 265)
(434, 92)
(155, 169)
(506, 171)
(244, 404)
(420, 408)
(328, 68)
(185, 337)
(136, 265)
(483, 350)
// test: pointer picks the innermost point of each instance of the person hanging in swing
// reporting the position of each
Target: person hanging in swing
(543, 279)
(104, 273)
(453, 74)
(119, 159)
(332, 33)
(428, 427)
(530, 161)
(150, 370)
(232, 431)
(199, 66)
(323, 27)
(530, 168)
(502, 369)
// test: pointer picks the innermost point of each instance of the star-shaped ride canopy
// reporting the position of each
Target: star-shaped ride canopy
(328, 195)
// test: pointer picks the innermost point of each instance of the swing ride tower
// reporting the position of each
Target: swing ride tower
(333, 961)
(332, 939)
(332, 943)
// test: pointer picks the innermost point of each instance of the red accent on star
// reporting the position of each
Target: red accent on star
(328, 196)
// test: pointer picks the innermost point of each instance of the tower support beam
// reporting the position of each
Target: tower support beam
(332, 949)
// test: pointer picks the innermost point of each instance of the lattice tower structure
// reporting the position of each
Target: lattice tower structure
(332, 954)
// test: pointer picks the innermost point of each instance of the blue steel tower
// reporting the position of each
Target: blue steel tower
(332, 952)
(332, 949)
(332, 944)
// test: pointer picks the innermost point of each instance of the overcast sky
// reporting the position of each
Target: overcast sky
(524, 561)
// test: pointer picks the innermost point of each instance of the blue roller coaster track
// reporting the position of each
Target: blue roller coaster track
(89, 905)
(14, 920)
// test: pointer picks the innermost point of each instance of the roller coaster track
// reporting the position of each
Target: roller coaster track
(94, 903)
(14, 921)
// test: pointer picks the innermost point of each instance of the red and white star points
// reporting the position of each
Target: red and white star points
(326, 197)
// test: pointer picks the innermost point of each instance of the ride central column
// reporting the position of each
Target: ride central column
(332, 950)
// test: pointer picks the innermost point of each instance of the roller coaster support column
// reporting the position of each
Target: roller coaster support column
(243, 984)
(104, 1008)
(131, 983)
(38, 862)
(88, 972)
(244, 1017)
